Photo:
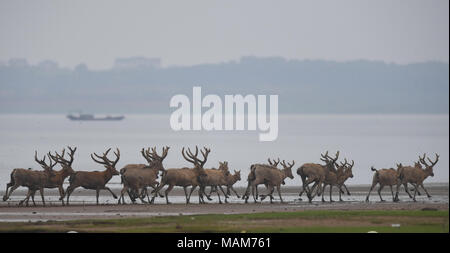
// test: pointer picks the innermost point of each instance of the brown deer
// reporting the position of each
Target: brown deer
(231, 179)
(31, 179)
(137, 179)
(251, 177)
(272, 178)
(94, 180)
(216, 178)
(57, 180)
(383, 177)
(316, 173)
(415, 175)
(343, 172)
(185, 177)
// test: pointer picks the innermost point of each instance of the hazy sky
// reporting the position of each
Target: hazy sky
(193, 32)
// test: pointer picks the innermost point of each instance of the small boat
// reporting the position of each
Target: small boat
(91, 117)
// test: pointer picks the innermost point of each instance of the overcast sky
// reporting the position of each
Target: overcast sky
(193, 32)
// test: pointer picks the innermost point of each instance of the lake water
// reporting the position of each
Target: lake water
(378, 140)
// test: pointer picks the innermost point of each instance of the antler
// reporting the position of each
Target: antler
(43, 163)
(289, 165)
(60, 158)
(146, 154)
(105, 159)
(193, 157)
(433, 163)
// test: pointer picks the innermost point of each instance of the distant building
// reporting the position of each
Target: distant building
(137, 63)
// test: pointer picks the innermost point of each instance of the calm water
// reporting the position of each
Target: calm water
(378, 140)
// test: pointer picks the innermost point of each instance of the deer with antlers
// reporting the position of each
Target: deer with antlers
(251, 177)
(94, 180)
(31, 179)
(185, 177)
(272, 178)
(415, 175)
(136, 179)
(57, 180)
(316, 173)
(343, 172)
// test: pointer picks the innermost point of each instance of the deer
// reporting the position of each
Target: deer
(216, 178)
(230, 181)
(251, 176)
(137, 179)
(316, 173)
(383, 177)
(185, 177)
(57, 180)
(32, 179)
(415, 175)
(343, 172)
(272, 178)
(94, 180)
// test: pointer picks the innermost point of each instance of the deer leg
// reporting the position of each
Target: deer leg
(61, 194)
(6, 197)
(69, 191)
(190, 193)
(224, 193)
(97, 193)
(8, 185)
(122, 193)
(323, 195)
(232, 188)
(166, 192)
(348, 192)
(428, 195)
(415, 192)
(379, 192)
(396, 192)
(112, 193)
(370, 190)
(41, 190)
(279, 193)
(331, 193)
(407, 191)
(392, 192)
(27, 198)
(218, 195)
(32, 197)
(254, 188)
(185, 191)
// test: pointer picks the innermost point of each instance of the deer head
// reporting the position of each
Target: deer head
(288, 168)
(193, 158)
(223, 166)
(237, 175)
(44, 165)
(429, 168)
(66, 164)
(109, 165)
(153, 159)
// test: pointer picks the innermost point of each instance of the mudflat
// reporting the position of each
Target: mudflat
(109, 209)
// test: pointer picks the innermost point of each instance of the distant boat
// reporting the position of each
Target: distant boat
(88, 117)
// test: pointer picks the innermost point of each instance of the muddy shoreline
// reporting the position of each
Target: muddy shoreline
(10, 211)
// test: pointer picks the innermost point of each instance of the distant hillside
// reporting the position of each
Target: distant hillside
(303, 86)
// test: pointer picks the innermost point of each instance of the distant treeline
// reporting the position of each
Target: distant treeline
(303, 86)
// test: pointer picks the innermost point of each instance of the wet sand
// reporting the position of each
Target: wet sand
(83, 206)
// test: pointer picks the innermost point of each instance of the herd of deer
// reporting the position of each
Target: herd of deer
(136, 178)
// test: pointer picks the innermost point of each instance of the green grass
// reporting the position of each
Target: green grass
(320, 221)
